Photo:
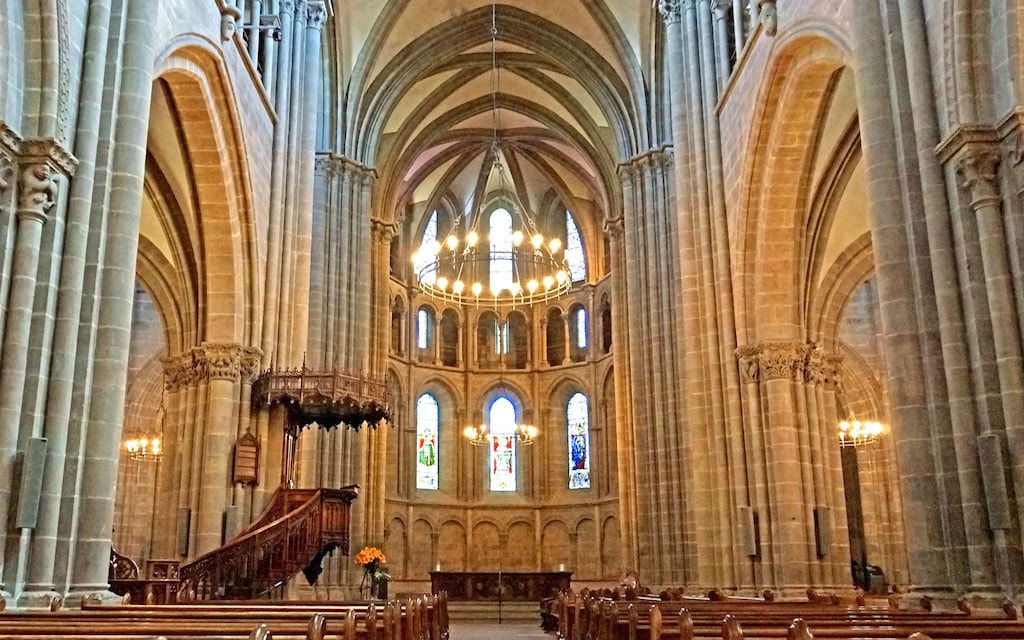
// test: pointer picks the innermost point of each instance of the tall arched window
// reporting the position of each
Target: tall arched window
(428, 419)
(502, 425)
(574, 250)
(501, 249)
(422, 329)
(577, 414)
(428, 249)
(581, 328)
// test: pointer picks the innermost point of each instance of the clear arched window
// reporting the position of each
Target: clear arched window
(577, 414)
(428, 249)
(501, 249)
(581, 328)
(428, 419)
(574, 250)
(422, 328)
(502, 425)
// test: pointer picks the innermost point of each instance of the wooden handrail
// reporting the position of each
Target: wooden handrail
(283, 541)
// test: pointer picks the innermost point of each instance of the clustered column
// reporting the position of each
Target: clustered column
(649, 280)
(796, 470)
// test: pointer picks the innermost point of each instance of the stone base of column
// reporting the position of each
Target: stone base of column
(100, 597)
(39, 599)
(923, 599)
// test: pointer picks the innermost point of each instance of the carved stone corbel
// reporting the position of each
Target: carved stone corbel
(769, 16)
(229, 17)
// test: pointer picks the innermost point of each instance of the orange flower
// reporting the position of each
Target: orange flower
(369, 554)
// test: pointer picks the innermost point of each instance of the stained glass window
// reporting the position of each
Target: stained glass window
(502, 418)
(581, 328)
(427, 421)
(501, 249)
(428, 249)
(422, 322)
(578, 426)
(574, 250)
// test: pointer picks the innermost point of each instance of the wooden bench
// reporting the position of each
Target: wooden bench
(590, 617)
(420, 618)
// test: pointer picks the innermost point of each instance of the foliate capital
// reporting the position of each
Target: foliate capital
(670, 10)
(223, 361)
(772, 361)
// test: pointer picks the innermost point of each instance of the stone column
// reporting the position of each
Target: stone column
(9, 143)
(928, 546)
(61, 413)
(626, 462)
(106, 411)
(37, 191)
(977, 167)
(223, 368)
(723, 64)
(272, 344)
(792, 540)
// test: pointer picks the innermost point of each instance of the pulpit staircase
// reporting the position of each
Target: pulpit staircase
(293, 534)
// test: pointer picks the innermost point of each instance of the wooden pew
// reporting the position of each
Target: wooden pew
(592, 618)
(420, 618)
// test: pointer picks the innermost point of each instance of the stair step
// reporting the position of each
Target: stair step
(487, 611)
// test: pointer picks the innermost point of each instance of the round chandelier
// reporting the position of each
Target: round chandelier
(517, 268)
(855, 433)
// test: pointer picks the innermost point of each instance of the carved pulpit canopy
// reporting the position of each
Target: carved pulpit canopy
(327, 398)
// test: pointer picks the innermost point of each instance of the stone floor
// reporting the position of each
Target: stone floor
(465, 630)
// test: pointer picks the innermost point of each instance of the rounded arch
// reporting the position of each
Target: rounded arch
(192, 69)
(789, 118)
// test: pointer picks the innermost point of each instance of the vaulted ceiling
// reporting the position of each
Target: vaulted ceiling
(418, 98)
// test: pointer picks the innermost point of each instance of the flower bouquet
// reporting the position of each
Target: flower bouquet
(374, 584)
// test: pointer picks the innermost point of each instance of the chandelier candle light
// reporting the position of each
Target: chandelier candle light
(453, 269)
(855, 433)
(479, 436)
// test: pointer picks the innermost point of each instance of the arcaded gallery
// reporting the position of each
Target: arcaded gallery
(589, 319)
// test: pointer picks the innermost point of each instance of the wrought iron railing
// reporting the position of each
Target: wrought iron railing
(294, 533)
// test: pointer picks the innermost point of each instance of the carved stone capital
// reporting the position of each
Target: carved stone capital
(286, 7)
(772, 361)
(615, 227)
(721, 8)
(815, 367)
(383, 232)
(37, 191)
(749, 365)
(223, 361)
(978, 170)
(180, 371)
(250, 364)
(316, 15)
(670, 10)
(781, 360)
